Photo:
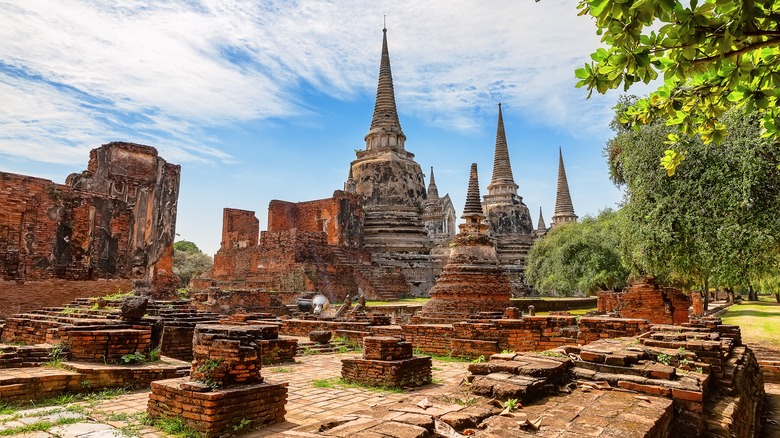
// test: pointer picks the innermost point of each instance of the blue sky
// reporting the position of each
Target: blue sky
(262, 100)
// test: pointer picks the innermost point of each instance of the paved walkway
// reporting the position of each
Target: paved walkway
(307, 404)
(119, 417)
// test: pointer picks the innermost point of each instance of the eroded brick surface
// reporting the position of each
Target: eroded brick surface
(114, 220)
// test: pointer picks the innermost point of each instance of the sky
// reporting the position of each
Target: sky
(261, 100)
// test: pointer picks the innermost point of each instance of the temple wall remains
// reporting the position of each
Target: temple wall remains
(115, 221)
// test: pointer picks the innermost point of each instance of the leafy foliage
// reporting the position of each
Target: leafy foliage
(578, 257)
(189, 261)
(712, 55)
(716, 219)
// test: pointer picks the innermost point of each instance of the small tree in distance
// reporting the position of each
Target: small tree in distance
(189, 261)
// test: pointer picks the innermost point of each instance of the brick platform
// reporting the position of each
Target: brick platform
(214, 413)
(225, 388)
(105, 343)
(387, 362)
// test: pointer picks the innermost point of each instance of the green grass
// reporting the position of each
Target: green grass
(281, 370)
(92, 398)
(38, 426)
(340, 383)
(573, 312)
(416, 300)
(759, 321)
(176, 426)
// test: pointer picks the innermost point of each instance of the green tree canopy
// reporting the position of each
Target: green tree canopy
(578, 257)
(185, 245)
(715, 219)
(189, 261)
(712, 54)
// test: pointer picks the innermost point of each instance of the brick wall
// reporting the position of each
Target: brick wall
(23, 297)
(240, 228)
(114, 220)
(340, 218)
(647, 300)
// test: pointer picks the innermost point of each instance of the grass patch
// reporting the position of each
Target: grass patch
(447, 358)
(281, 370)
(415, 300)
(758, 321)
(322, 383)
(340, 383)
(38, 426)
(118, 296)
(176, 426)
(91, 398)
(572, 312)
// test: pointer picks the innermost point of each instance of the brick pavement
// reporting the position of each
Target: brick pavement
(306, 403)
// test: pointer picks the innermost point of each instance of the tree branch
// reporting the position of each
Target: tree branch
(749, 48)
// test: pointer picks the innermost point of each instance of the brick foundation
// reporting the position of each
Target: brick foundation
(387, 361)
(105, 343)
(217, 412)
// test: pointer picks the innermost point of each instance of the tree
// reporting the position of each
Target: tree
(189, 261)
(713, 55)
(578, 257)
(716, 218)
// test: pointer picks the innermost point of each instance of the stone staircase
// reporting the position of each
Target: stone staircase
(376, 282)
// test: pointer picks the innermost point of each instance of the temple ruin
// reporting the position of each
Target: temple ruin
(110, 225)
(384, 235)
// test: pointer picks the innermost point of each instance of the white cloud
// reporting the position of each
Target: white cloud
(164, 71)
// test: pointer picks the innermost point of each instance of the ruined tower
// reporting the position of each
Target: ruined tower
(472, 281)
(508, 217)
(564, 209)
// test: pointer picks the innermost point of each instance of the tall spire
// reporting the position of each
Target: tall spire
(473, 205)
(385, 126)
(564, 209)
(502, 181)
(541, 227)
(433, 191)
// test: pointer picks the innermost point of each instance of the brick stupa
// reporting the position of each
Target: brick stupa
(472, 281)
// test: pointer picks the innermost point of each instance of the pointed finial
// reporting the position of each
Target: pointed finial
(502, 169)
(384, 23)
(433, 191)
(473, 203)
(564, 209)
(541, 226)
(385, 128)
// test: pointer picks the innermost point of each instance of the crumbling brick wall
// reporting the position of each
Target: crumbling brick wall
(115, 220)
(340, 217)
(646, 300)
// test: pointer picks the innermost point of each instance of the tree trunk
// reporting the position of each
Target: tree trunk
(752, 295)
(777, 296)
(706, 293)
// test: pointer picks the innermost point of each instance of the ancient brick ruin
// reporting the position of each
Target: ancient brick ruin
(389, 362)
(225, 387)
(647, 300)
(106, 226)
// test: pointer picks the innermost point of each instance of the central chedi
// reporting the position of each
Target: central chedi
(472, 281)
(392, 186)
